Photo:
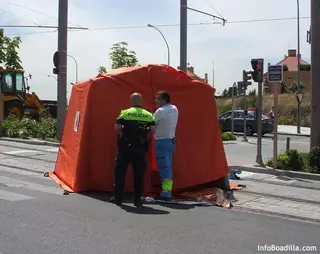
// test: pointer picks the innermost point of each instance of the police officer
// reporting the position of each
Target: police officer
(133, 126)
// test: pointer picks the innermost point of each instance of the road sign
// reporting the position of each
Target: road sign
(300, 97)
(275, 73)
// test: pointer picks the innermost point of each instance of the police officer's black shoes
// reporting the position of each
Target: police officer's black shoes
(117, 201)
(138, 202)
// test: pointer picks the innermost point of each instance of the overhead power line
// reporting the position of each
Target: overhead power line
(41, 26)
(168, 25)
(13, 14)
(35, 11)
(211, 6)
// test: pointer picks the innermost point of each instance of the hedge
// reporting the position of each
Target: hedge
(297, 161)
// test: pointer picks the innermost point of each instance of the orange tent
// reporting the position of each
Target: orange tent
(86, 155)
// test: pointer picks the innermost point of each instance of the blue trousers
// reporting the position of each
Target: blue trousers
(163, 150)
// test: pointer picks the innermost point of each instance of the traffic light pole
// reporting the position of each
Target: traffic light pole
(62, 65)
(259, 160)
(244, 117)
(244, 108)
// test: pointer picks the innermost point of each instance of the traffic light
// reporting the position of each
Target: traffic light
(56, 60)
(240, 88)
(246, 78)
(257, 73)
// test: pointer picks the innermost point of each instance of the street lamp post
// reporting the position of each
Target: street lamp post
(75, 61)
(299, 63)
(164, 38)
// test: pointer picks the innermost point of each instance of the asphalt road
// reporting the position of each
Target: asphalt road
(244, 153)
(35, 217)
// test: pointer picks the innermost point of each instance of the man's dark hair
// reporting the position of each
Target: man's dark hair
(164, 96)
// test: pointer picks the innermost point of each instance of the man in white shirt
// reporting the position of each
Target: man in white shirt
(166, 118)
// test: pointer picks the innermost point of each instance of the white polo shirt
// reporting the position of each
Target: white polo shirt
(166, 118)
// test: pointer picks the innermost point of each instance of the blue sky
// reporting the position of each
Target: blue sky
(230, 47)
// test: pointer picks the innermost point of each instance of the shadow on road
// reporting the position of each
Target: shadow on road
(143, 210)
(175, 206)
(127, 199)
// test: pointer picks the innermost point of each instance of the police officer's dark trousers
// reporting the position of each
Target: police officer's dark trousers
(130, 152)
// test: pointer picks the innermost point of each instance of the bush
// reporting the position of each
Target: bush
(314, 159)
(45, 128)
(282, 162)
(228, 136)
(11, 127)
(305, 161)
(294, 160)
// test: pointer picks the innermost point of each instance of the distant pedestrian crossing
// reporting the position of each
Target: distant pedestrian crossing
(18, 185)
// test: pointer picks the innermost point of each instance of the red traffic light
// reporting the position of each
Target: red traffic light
(256, 64)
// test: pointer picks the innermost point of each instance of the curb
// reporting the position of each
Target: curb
(277, 172)
(282, 134)
(31, 142)
(294, 134)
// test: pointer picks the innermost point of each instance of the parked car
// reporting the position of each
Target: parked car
(225, 122)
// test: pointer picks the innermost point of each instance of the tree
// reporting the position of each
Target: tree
(102, 69)
(253, 92)
(294, 88)
(225, 93)
(9, 56)
(121, 56)
(2, 48)
(13, 60)
(305, 67)
(283, 87)
(285, 68)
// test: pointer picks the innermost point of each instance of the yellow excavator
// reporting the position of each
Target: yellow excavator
(16, 98)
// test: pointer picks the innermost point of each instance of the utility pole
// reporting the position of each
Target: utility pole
(183, 31)
(183, 35)
(62, 65)
(315, 75)
(299, 63)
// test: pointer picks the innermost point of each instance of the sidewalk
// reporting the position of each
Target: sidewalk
(292, 130)
(280, 196)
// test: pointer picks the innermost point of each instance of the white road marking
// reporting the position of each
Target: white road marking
(24, 173)
(15, 183)
(55, 149)
(11, 196)
(21, 151)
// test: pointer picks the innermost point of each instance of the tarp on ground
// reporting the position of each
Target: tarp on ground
(86, 156)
